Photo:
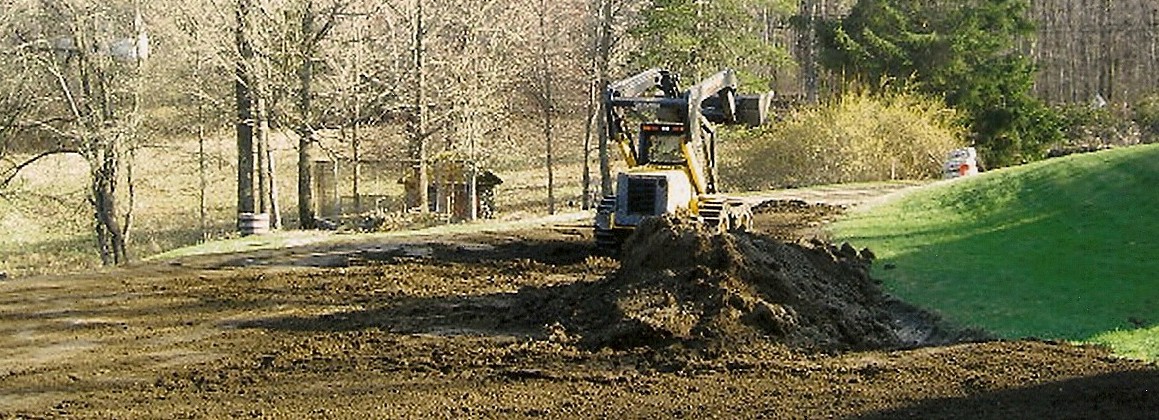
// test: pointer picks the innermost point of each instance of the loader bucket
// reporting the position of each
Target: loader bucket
(753, 110)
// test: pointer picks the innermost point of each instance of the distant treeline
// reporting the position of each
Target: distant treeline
(1084, 49)
(1088, 48)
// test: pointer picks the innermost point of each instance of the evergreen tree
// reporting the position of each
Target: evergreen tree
(963, 51)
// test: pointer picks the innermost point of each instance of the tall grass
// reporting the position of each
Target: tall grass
(859, 137)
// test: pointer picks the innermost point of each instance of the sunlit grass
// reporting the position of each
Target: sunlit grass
(1141, 343)
(1057, 249)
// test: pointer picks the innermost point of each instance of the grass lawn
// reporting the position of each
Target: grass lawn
(1066, 248)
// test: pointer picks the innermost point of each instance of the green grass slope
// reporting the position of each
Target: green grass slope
(1066, 248)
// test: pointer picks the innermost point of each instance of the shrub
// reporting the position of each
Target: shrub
(964, 52)
(1088, 126)
(860, 137)
(1147, 117)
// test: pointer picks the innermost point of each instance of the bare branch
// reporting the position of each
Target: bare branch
(332, 15)
(11, 173)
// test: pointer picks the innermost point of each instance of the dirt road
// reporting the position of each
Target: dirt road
(441, 328)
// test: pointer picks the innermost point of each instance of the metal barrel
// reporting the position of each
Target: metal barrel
(253, 223)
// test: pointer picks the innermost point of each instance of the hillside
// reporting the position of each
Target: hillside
(1058, 249)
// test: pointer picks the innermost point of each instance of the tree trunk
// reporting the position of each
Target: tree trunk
(548, 133)
(603, 59)
(102, 152)
(133, 121)
(1153, 41)
(103, 162)
(202, 177)
(267, 181)
(356, 146)
(589, 111)
(131, 196)
(355, 121)
(244, 123)
(1106, 64)
(306, 219)
(810, 12)
(97, 199)
(271, 172)
(306, 214)
(418, 141)
(356, 149)
(548, 104)
(262, 156)
(602, 129)
(105, 204)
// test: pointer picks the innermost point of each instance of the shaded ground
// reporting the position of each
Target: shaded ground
(478, 326)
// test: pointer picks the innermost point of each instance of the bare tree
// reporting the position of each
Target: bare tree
(467, 59)
(244, 96)
(418, 129)
(192, 75)
(16, 91)
(1078, 48)
(547, 100)
(349, 68)
(609, 27)
(307, 48)
(89, 57)
(282, 57)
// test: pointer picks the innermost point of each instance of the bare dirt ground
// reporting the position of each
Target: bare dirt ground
(531, 323)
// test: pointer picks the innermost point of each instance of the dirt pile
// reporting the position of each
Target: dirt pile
(678, 282)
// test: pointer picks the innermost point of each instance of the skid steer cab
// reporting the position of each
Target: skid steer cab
(671, 155)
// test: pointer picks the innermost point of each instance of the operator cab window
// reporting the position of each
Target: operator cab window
(661, 144)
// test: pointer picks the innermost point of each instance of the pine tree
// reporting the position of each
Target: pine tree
(963, 51)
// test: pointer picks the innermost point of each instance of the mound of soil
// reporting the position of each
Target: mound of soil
(680, 283)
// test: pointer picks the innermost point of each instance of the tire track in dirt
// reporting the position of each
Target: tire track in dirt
(479, 327)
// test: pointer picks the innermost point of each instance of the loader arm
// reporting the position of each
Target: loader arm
(713, 99)
(635, 86)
